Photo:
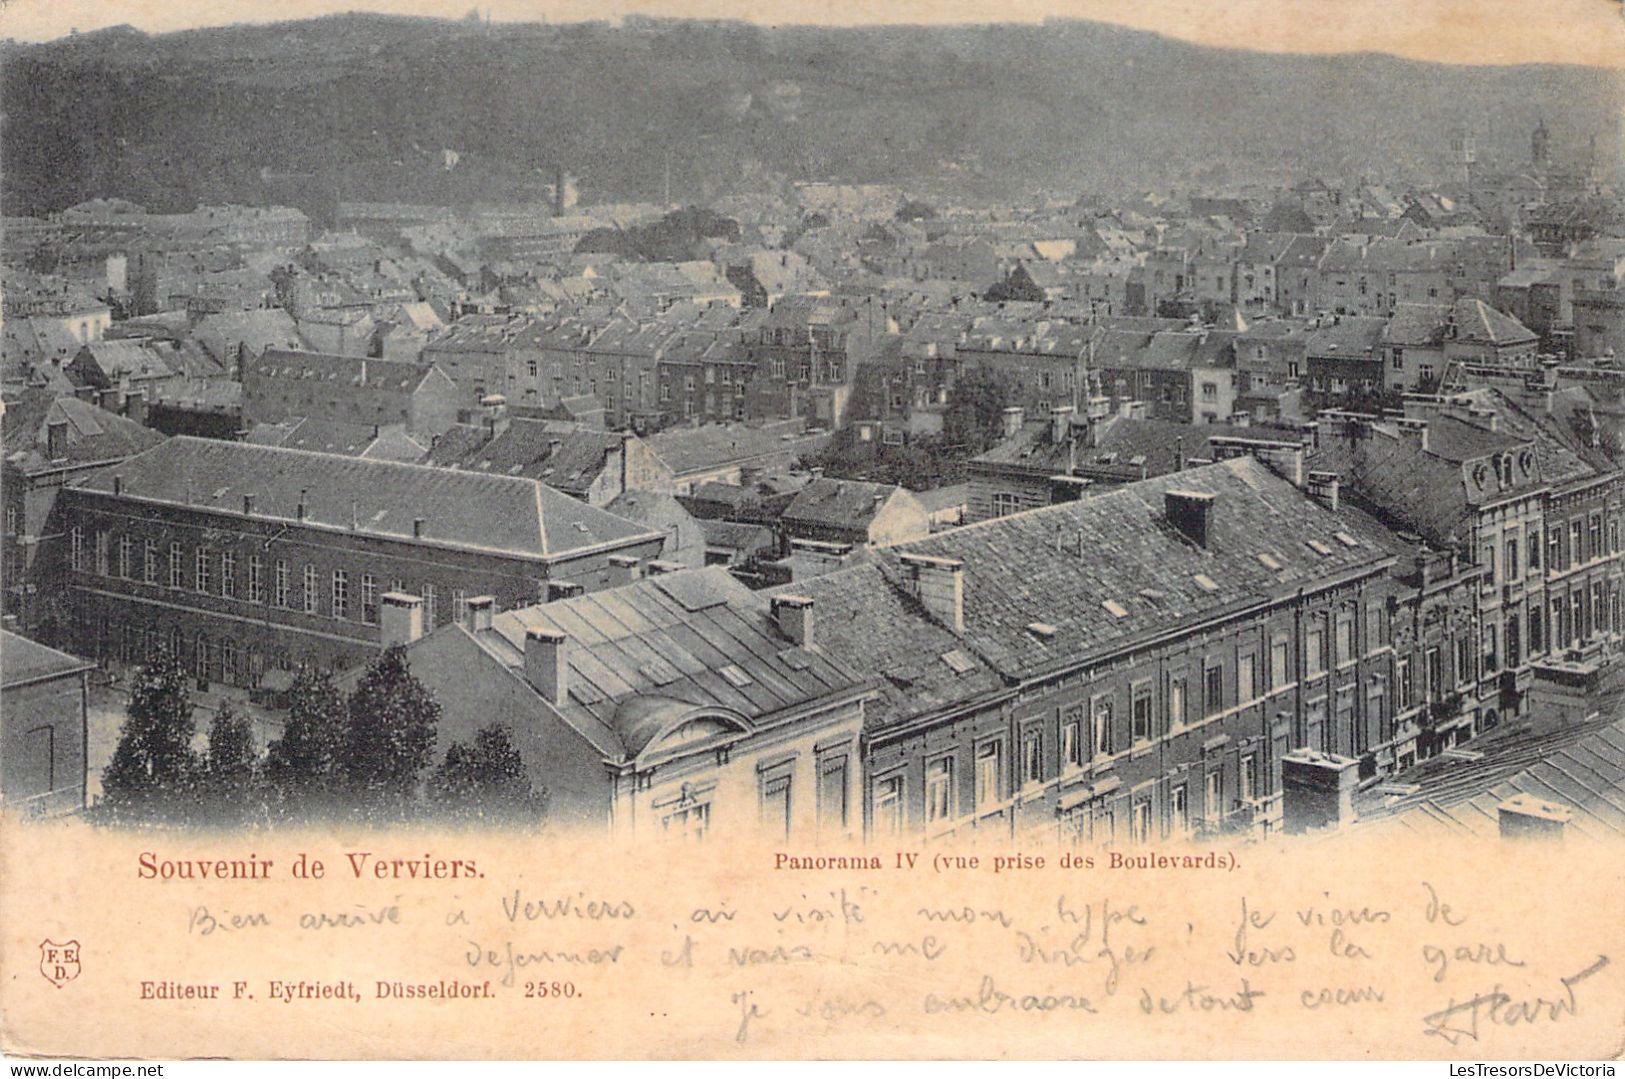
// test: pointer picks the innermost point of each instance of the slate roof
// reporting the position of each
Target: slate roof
(23, 661)
(1417, 324)
(1348, 336)
(94, 434)
(503, 514)
(1478, 321)
(864, 623)
(344, 374)
(1060, 564)
(258, 330)
(699, 449)
(645, 653)
(560, 454)
(1580, 767)
(127, 358)
(832, 503)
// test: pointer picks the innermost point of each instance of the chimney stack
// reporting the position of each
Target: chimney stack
(1317, 790)
(479, 611)
(248, 505)
(1191, 512)
(417, 527)
(1325, 487)
(794, 617)
(400, 618)
(1525, 817)
(563, 590)
(118, 484)
(939, 585)
(623, 569)
(1060, 424)
(1014, 417)
(303, 507)
(56, 439)
(547, 666)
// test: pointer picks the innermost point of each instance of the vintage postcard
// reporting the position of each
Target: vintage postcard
(694, 530)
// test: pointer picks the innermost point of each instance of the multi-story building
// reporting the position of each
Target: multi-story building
(1165, 644)
(681, 705)
(48, 443)
(43, 727)
(243, 557)
(283, 385)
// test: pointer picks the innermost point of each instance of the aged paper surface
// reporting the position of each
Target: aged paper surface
(429, 945)
(1338, 948)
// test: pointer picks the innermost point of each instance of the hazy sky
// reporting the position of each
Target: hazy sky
(1457, 31)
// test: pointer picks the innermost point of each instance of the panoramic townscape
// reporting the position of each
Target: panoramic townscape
(743, 462)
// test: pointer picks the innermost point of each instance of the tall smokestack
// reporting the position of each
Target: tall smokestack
(558, 191)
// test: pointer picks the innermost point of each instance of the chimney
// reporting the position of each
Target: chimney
(1179, 453)
(135, 406)
(248, 505)
(623, 569)
(1060, 424)
(400, 618)
(1525, 817)
(794, 617)
(939, 585)
(547, 666)
(1317, 790)
(56, 439)
(1414, 431)
(1014, 417)
(1192, 513)
(656, 567)
(1326, 488)
(563, 590)
(417, 527)
(118, 484)
(477, 613)
(303, 508)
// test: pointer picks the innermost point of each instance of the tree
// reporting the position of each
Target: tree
(1016, 287)
(231, 783)
(302, 765)
(974, 418)
(154, 767)
(390, 734)
(486, 781)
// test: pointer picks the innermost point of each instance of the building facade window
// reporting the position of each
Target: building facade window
(204, 573)
(1103, 719)
(833, 809)
(256, 579)
(888, 806)
(1072, 739)
(1213, 691)
(1140, 712)
(103, 543)
(1032, 759)
(149, 562)
(76, 548)
(341, 594)
(989, 774)
(228, 573)
(310, 584)
(1176, 703)
(126, 556)
(939, 790)
(369, 599)
(281, 583)
(177, 566)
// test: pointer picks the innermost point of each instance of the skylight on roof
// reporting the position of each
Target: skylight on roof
(735, 676)
(958, 661)
(1319, 548)
(1205, 583)
(1041, 630)
(1269, 561)
(1115, 609)
(1347, 540)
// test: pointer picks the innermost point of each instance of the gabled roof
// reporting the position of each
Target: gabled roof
(94, 435)
(1417, 324)
(863, 622)
(500, 514)
(563, 455)
(23, 661)
(340, 375)
(1478, 321)
(1060, 565)
(846, 504)
(717, 445)
(645, 656)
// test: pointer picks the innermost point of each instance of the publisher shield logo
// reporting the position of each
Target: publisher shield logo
(59, 962)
